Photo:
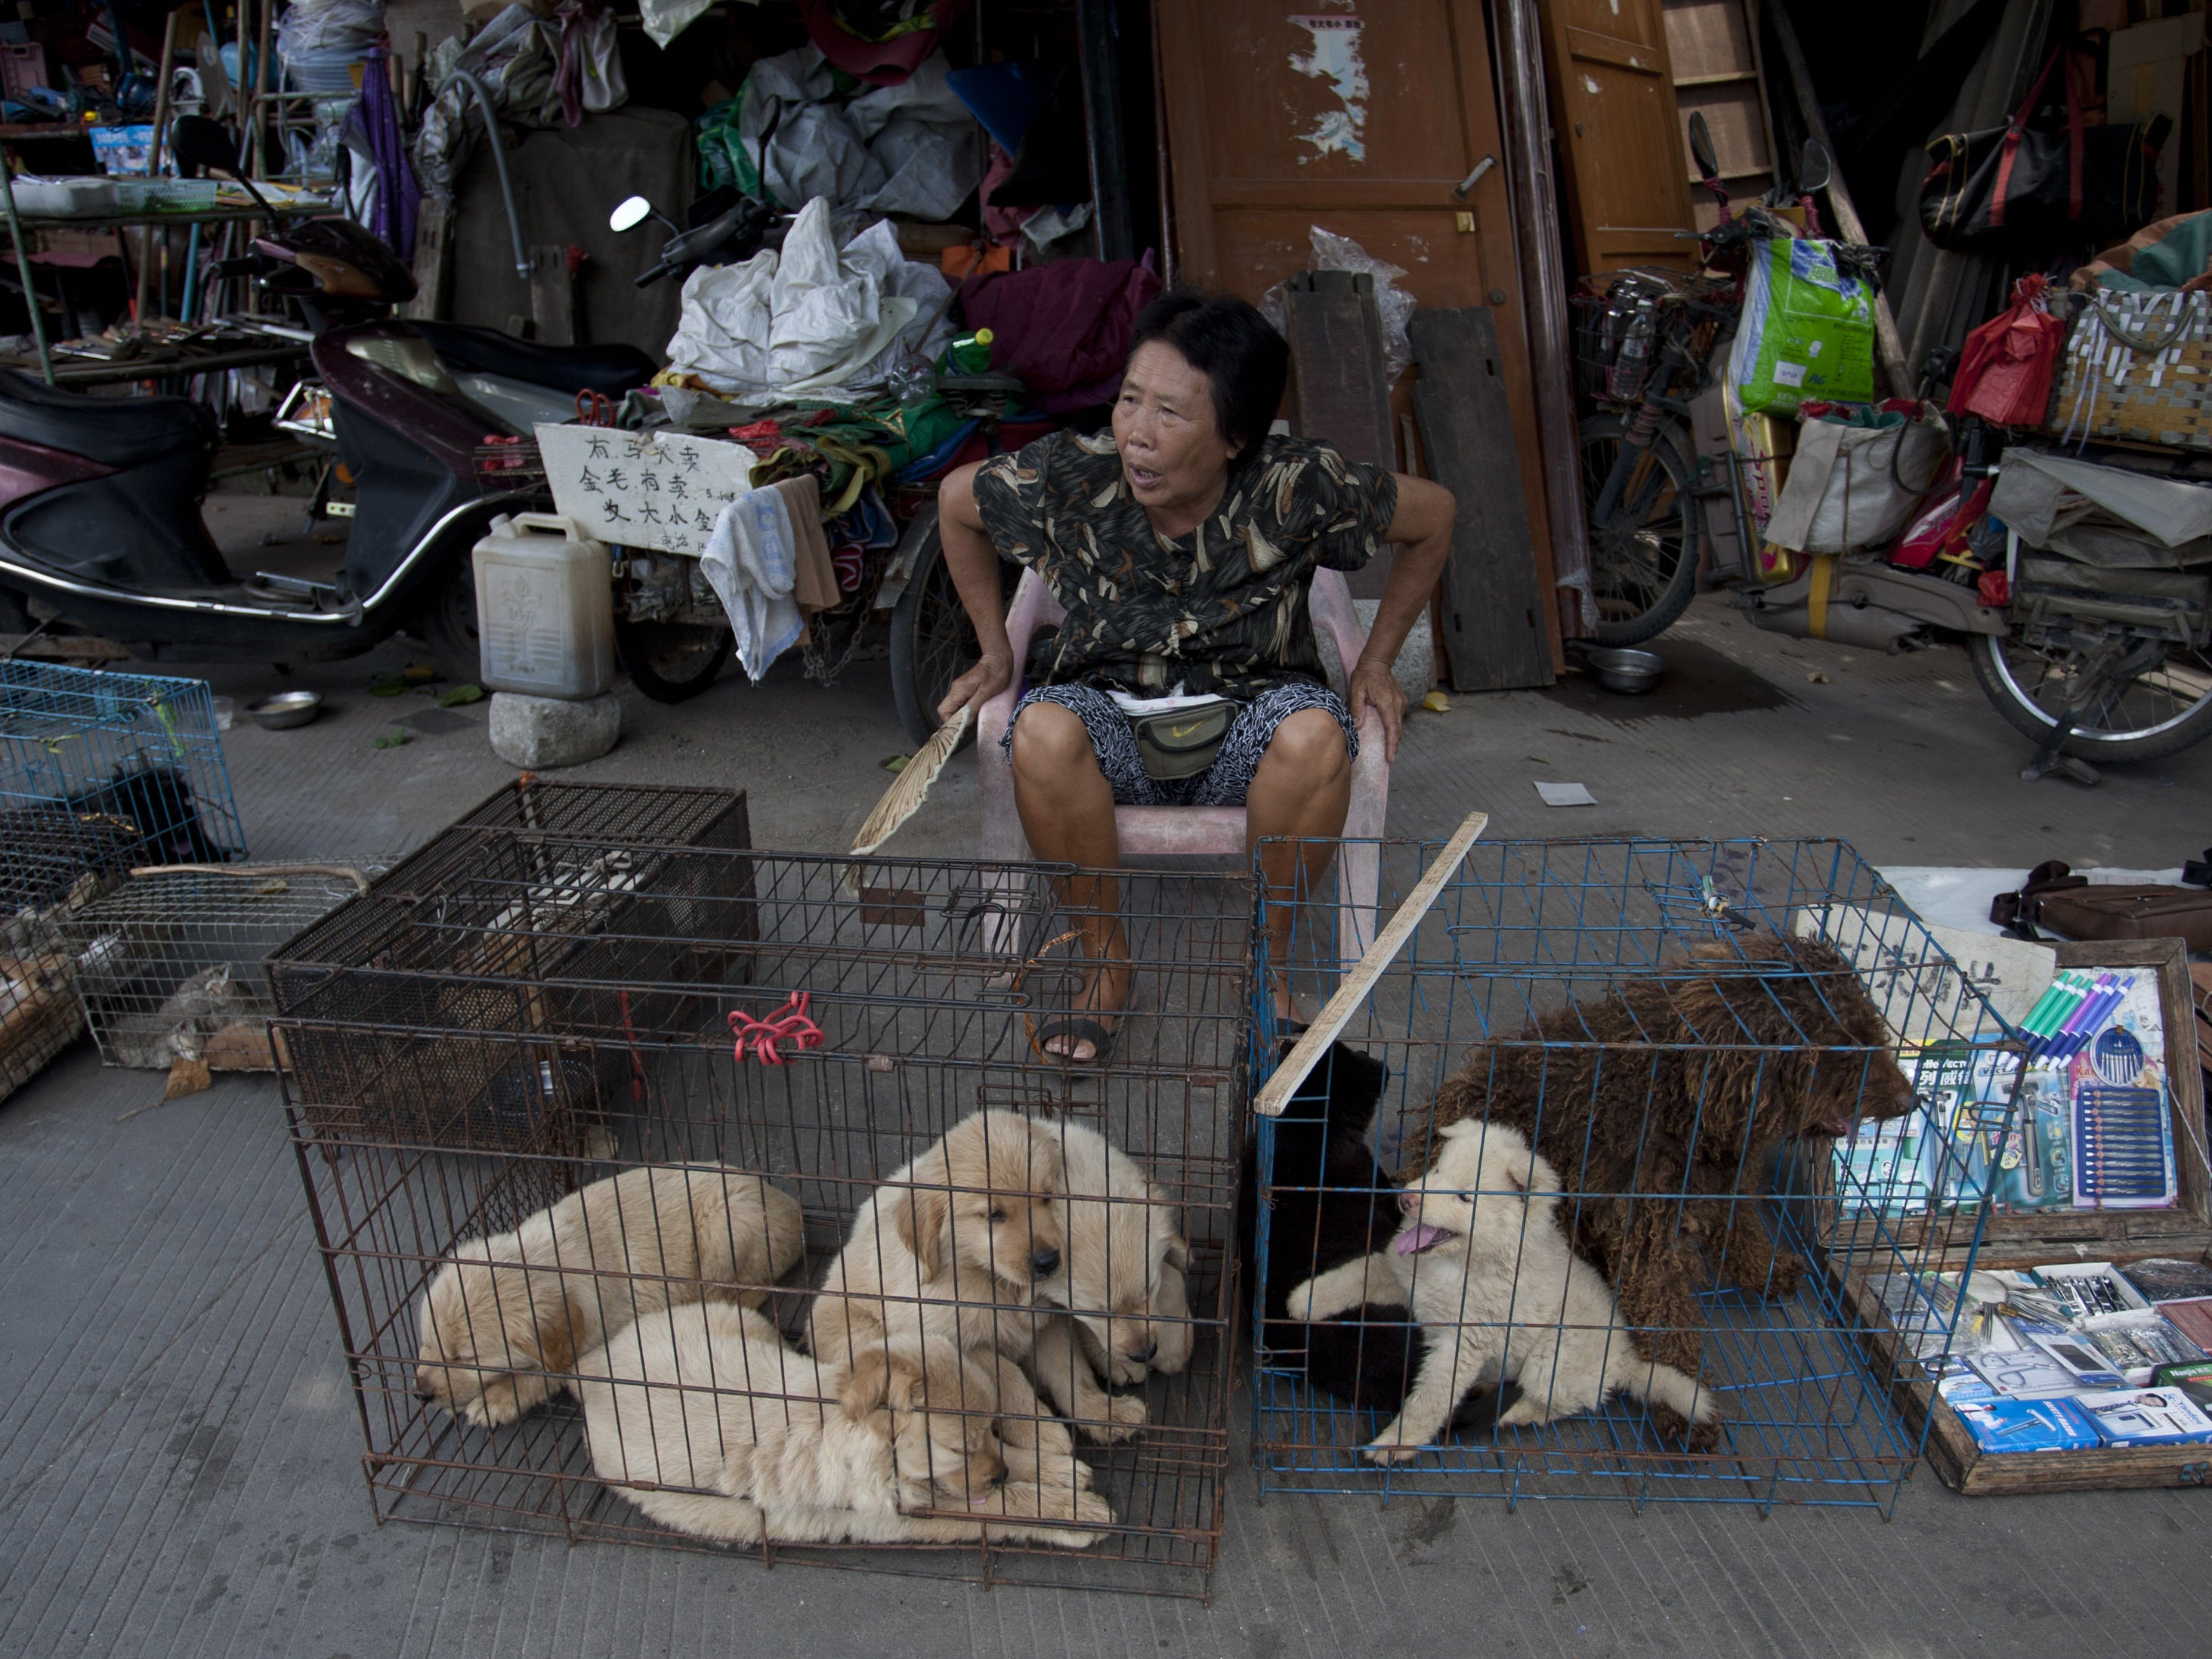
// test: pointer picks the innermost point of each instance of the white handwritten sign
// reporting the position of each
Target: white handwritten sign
(658, 490)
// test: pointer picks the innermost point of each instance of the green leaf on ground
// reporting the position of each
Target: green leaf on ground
(392, 740)
(456, 696)
(896, 762)
(386, 688)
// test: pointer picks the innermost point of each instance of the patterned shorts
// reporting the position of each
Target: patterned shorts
(1223, 783)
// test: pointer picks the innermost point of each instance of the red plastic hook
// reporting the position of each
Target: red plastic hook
(789, 1024)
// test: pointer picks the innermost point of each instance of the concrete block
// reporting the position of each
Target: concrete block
(1415, 668)
(536, 732)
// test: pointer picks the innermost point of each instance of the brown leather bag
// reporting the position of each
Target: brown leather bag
(2055, 897)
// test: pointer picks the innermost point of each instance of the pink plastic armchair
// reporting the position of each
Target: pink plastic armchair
(1204, 831)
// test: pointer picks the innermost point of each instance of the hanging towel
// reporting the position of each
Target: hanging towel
(751, 563)
(814, 586)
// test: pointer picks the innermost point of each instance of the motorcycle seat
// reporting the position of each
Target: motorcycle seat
(611, 369)
(118, 432)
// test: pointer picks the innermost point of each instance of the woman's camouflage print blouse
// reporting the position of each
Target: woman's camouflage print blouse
(1221, 610)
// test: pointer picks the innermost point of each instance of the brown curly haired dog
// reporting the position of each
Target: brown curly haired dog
(1680, 1088)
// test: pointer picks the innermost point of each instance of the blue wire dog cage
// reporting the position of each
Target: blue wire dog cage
(101, 772)
(1722, 1055)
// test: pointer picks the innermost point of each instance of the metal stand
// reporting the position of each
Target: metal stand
(23, 267)
(2097, 690)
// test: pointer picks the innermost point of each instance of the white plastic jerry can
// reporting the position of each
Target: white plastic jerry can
(545, 612)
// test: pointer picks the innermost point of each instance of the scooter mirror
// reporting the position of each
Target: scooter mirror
(1814, 167)
(630, 215)
(1701, 146)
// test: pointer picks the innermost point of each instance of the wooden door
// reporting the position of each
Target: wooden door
(1360, 121)
(1626, 180)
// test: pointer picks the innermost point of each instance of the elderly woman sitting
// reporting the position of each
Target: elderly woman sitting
(1181, 547)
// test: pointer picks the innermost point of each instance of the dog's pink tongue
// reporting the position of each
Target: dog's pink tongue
(1417, 1237)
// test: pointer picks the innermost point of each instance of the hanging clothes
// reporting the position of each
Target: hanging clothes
(399, 198)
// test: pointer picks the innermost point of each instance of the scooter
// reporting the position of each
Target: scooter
(101, 530)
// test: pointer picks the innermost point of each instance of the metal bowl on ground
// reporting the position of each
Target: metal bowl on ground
(286, 710)
(1619, 668)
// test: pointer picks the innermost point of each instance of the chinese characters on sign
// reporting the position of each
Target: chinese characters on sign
(662, 492)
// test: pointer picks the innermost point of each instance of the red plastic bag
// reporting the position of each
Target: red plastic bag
(2004, 374)
(1940, 530)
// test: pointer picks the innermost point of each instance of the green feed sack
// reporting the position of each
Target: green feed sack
(1806, 330)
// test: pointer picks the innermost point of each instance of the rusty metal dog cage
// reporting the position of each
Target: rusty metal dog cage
(539, 881)
(1678, 1029)
(899, 1000)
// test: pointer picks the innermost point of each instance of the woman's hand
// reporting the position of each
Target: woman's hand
(979, 685)
(1373, 685)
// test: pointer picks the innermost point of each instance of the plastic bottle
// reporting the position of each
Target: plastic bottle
(970, 354)
(545, 615)
(912, 381)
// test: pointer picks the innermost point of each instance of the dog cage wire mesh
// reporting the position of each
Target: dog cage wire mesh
(467, 1048)
(101, 772)
(168, 964)
(1655, 1016)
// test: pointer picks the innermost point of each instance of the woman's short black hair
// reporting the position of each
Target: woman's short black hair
(1244, 359)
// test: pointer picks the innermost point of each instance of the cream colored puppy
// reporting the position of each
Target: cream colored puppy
(772, 1445)
(1498, 1292)
(950, 1249)
(1121, 1277)
(507, 1316)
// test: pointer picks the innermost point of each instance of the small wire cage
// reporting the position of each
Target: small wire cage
(1581, 1137)
(168, 962)
(99, 772)
(892, 1083)
(540, 882)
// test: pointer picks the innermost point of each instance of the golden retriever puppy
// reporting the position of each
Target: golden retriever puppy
(1122, 1277)
(950, 1249)
(507, 1316)
(704, 1417)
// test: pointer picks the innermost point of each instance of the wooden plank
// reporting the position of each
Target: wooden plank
(1637, 55)
(1335, 333)
(433, 258)
(1493, 611)
(1333, 1017)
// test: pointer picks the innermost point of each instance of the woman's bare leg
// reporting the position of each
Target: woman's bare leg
(1066, 810)
(1303, 788)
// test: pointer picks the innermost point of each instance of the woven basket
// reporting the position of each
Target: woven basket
(2137, 368)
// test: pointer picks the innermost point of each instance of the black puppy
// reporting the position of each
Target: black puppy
(1333, 1203)
(157, 802)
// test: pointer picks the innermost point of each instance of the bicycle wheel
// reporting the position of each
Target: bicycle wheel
(1643, 564)
(2159, 713)
(671, 661)
(932, 642)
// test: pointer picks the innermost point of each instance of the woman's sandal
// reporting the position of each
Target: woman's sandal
(1083, 1026)
(1074, 1029)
